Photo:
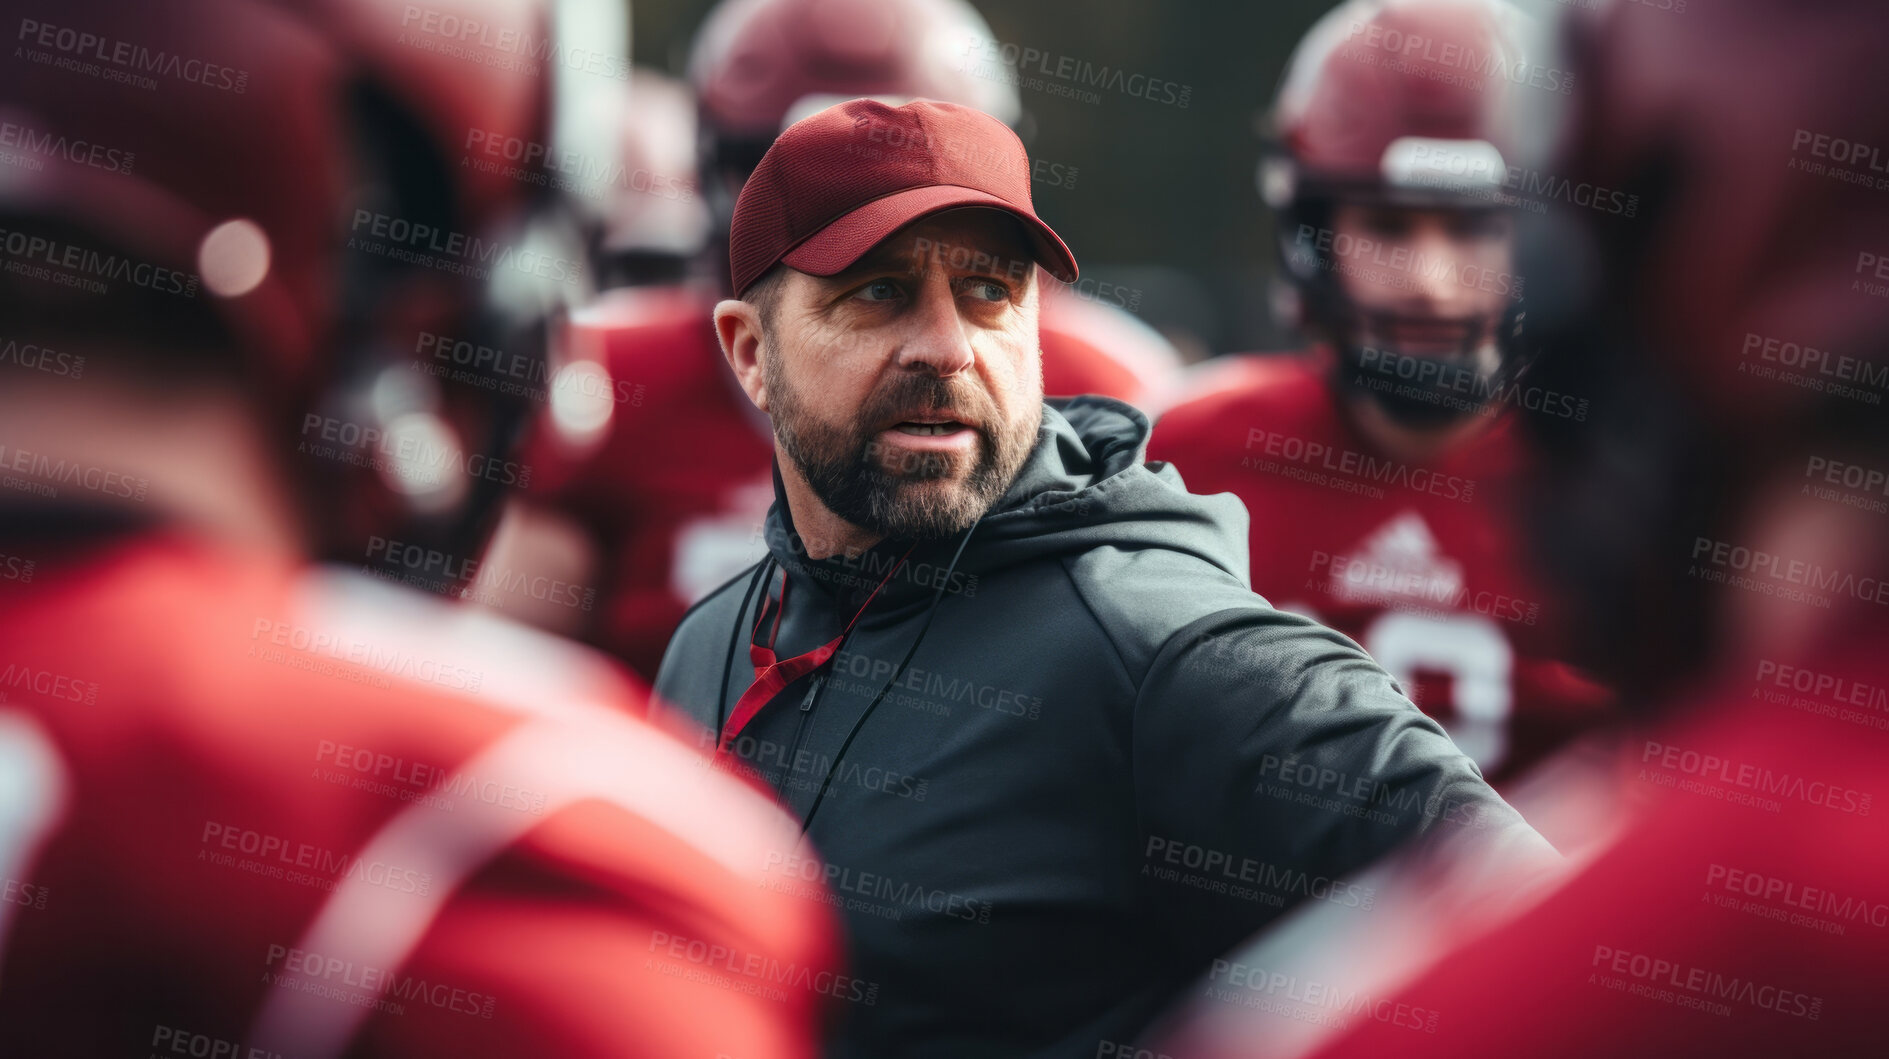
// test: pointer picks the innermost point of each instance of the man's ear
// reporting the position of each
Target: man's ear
(738, 326)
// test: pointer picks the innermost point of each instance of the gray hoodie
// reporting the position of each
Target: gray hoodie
(1059, 765)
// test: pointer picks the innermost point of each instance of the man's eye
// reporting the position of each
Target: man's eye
(879, 290)
(990, 291)
(1388, 224)
(1480, 226)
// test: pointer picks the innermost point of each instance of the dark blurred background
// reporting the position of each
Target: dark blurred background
(1164, 201)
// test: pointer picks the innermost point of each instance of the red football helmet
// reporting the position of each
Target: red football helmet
(1734, 330)
(656, 222)
(312, 175)
(760, 65)
(1398, 103)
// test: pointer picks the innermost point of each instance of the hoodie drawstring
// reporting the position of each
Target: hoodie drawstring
(930, 613)
(734, 638)
(772, 674)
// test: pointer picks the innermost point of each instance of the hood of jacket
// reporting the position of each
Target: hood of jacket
(1083, 486)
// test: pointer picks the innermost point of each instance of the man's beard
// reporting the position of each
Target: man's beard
(846, 466)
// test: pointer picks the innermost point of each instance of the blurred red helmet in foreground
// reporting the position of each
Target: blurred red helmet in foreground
(314, 198)
(1730, 333)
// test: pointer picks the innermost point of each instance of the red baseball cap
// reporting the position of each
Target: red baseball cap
(835, 184)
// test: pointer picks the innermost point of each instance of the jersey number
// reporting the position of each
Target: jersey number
(1479, 661)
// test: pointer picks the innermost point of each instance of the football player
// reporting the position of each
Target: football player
(251, 805)
(1381, 466)
(1718, 521)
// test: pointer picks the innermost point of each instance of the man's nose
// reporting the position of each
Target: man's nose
(1437, 270)
(938, 340)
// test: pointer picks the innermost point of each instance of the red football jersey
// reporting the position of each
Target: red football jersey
(1420, 563)
(675, 488)
(1736, 907)
(253, 810)
(1092, 346)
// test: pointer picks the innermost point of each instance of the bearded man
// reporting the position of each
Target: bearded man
(1012, 679)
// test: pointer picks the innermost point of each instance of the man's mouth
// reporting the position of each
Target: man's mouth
(1428, 337)
(922, 428)
(934, 434)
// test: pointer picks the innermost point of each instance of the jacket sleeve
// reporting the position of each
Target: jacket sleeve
(1274, 760)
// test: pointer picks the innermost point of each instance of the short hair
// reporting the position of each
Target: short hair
(765, 294)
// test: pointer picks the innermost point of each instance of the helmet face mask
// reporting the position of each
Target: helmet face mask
(350, 242)
(1416, 301)
(435, 373)
(1385, 171)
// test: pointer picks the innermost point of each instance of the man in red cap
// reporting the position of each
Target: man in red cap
(1053, 752)
(1382, 467)
(657, 534)
(249, 805)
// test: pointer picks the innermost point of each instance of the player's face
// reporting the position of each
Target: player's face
(1433, 282)
(908, 389)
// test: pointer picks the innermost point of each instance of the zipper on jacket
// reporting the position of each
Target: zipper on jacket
(800, 725)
